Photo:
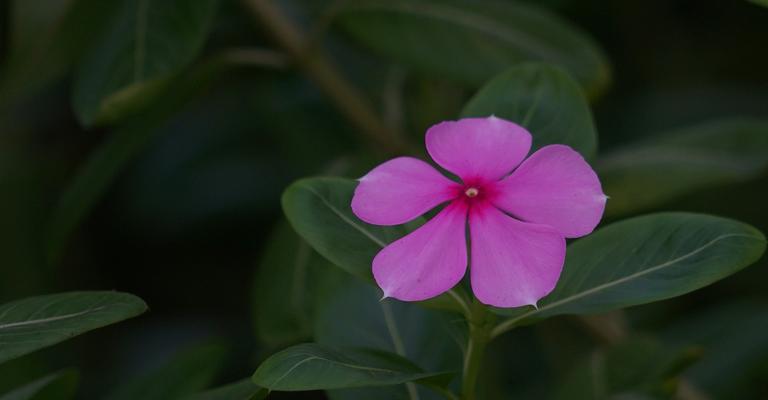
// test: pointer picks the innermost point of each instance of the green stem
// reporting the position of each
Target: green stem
(480, 323)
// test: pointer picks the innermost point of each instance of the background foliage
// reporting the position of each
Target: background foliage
(145, 146)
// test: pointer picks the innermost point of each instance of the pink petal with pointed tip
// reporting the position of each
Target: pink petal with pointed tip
(478, 148)
(555, 186)
(514, 263)
(428, 261)
(400, 190)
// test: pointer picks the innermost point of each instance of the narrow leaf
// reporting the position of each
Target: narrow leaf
(312, 366)
(646, 259)
(37, 322)
(472, 41)
(545, 100)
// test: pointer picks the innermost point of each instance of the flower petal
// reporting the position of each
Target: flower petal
(554, 186)
(400, 190)
(478, 148)
(427, 261)
(514, 263)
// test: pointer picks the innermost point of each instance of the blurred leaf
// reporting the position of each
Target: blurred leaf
(148, 43)
(763, 3)
(240, 390)
(472, 41)
(59, 386)
(635, 368)
(284, 288)
(646, 259)
(319, 210)
(350, 313)
(734, 346)
(105, 163)
(312, 366)
(47, 37)
(188, 372)
(649, 173)
(37, 322)
(545, 100)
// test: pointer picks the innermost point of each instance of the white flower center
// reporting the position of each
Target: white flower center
(472, 192)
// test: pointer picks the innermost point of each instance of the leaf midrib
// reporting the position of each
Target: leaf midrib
(511, 322)
(344, 218)
(51, 319)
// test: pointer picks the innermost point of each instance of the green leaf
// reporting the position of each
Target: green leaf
(188, 372)
(58, 386)
(542, 98)
(649, 173)
(645, 259)
(350, 313)
(148, 43)
(319, 210)
(471, 41)
(638, 367)
(763, 3)
(37, 322)
(312, 366)
(241, 390)
(284, 288)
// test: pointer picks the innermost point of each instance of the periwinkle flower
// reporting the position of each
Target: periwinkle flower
(518, 212)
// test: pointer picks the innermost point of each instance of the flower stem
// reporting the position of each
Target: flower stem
(480, 323)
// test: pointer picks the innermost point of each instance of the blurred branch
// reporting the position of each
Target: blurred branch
(252, 57)
(320, 70)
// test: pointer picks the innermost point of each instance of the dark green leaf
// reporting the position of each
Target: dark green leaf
(319, 210)
(284, 287)
(188, 372)
(312, 366)
(675, 163)
(545, 100)
(646, 259)
(37, 322)
(240, 390)
(471, 41)
(350, 313)
(58, 386)
(149, 42)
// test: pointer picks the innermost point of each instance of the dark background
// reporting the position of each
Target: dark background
(184, 224)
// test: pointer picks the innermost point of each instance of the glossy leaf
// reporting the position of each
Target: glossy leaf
(545, 100)
(37, 322)
(319, 210)
(285, 283)
(58, 386)
(646, 259)
(351, 313)
(471, 41)
(241, 390)
(649, 173)
(312, 366)
(147, 43)
(186, 373)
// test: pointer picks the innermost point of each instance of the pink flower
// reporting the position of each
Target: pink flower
(518, 212)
